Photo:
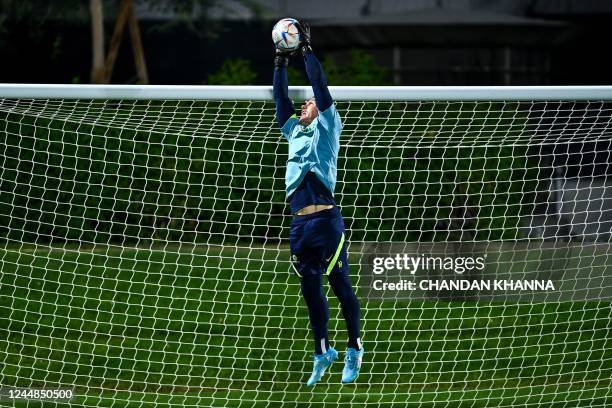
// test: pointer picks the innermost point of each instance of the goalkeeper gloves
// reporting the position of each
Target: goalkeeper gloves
(304, 30)
(281, 58)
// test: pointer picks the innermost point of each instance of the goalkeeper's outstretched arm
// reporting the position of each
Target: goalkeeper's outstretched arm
(284, 106)
(314, 70)
(318, 81)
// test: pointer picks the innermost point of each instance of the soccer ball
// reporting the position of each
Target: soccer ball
(285, 34)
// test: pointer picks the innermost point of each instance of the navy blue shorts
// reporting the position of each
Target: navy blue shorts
(318, 243)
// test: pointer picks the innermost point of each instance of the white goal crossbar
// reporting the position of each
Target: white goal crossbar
(340, 93)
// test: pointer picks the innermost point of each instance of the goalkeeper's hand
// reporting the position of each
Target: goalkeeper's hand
(304, 30)
(281, 57)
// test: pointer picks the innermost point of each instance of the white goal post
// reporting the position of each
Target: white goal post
(144, 246)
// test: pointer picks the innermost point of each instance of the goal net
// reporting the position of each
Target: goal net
(144, 246)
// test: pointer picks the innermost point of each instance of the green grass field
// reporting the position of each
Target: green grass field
(221, 326)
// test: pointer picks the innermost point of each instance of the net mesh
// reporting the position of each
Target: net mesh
(144, 252)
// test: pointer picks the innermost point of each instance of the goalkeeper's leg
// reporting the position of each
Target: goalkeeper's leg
(318, 313)
(307, 242)
(318, 247)
(338, 270)
(343, 290)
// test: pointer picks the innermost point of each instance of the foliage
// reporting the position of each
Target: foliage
(37, 12)
(34, 15)
(361, 69)
(296, 76)
(211, 171)
(234, 71)
(196, 15)
(414, 172)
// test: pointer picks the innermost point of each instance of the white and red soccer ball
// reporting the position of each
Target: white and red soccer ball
(285, 34)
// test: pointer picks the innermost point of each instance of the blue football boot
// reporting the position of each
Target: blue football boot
(352, 364)
(321, 363)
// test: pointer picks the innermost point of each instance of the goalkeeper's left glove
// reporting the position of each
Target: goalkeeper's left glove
(304, 30)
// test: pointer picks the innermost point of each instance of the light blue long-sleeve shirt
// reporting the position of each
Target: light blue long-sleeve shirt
(313, 148)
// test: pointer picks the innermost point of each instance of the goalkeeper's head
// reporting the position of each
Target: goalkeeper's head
(308, 112)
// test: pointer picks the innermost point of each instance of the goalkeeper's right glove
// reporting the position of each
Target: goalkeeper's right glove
(281, 57)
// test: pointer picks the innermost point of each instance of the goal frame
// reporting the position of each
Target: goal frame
(339, 93)
(121, 303)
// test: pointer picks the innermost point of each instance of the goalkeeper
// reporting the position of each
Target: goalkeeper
(318, 245)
